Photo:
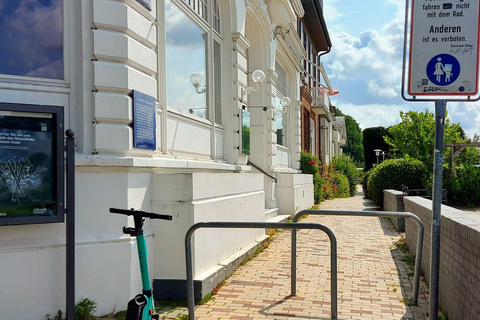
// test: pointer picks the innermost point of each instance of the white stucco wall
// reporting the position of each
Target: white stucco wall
(295, 193)
(200, 197)
(195, 174)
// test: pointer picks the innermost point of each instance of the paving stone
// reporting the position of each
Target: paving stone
(373, 282)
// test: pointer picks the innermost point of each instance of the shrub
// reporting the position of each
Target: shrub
(310, 165)
(335, 184)
(346, 166)
(84, 309)
(463, 189)
(341, 186)
(366, 175)
(317, 188)
(392, 174)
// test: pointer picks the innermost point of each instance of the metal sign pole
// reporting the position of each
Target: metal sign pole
(440, 109)
(70, 225)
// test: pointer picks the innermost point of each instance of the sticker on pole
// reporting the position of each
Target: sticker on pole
(444, 54)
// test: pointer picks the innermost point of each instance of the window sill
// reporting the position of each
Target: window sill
(154, 163)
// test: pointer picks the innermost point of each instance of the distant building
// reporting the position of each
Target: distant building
(317, 110)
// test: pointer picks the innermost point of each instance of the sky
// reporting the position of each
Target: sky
(365, 65)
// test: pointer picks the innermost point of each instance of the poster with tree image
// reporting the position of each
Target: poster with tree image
(28, 164)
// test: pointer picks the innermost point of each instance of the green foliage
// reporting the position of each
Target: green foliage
(463, 189)
(336, 184)
(470, 155)
(366, 176)
(373, 139)
(346, 166)
(354, 139)
(245, 140)
(414, 136)
(121, 315)
(84, 309)
(318, 182)
(341, 186)
(310, 165)
(330, 181)
(392, 174)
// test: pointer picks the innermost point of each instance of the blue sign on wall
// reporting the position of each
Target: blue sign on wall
(144, 121)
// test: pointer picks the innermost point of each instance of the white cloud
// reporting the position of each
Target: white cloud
(374, 115)
(385, 92)
(330, 10)
(365, 64)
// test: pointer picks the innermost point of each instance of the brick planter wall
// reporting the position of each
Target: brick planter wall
(459, 286)
(393, 201)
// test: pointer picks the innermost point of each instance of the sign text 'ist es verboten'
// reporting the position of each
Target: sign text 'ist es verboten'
(444, 48)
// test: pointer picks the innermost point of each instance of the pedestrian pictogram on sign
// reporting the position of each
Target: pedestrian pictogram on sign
(443, 70)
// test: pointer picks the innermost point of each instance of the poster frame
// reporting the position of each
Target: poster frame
(57, 165)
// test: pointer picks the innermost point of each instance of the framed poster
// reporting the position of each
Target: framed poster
(31, 164)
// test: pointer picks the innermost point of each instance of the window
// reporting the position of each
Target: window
(193, 47)
(281, 86)
(312, 137)
(31, 38)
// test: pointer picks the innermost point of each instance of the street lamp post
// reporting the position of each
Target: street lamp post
(377, 153)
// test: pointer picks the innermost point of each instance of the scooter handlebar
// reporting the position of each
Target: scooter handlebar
(140, 213)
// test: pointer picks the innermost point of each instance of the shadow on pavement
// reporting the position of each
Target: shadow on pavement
(267, 311)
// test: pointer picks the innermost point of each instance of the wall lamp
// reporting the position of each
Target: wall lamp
(257, 76)
(192, 110)
(197, 79)
(285, 102)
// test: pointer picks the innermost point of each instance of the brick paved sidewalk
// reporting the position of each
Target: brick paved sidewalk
(373, 281)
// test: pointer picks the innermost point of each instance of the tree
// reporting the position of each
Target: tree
(373, 139)
(354, 139)
(414, 136)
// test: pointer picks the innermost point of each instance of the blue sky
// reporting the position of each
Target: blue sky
(365, 64)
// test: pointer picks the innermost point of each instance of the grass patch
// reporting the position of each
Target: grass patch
(401, 244)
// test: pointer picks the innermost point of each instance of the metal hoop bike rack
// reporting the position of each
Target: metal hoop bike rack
(259, 225)
(418, 260)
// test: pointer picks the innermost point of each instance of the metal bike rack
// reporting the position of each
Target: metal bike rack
(418, 260)
(259, 225)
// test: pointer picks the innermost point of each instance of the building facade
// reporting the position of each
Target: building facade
(318, 113)
(224, 145)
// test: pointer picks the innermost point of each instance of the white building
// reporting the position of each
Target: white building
(88, 56)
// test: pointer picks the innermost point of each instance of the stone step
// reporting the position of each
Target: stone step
(270, 213)
(279, 218)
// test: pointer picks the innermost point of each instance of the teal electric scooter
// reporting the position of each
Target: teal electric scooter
(141, 307)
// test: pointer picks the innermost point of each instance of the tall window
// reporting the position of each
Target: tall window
(281, 86)
(193, 58)
(31, 38)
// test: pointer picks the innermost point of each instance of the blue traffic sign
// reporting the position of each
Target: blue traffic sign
(443, 69)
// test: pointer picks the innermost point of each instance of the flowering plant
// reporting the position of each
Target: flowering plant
(312, 162)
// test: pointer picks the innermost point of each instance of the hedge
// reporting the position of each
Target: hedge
(392, 174)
